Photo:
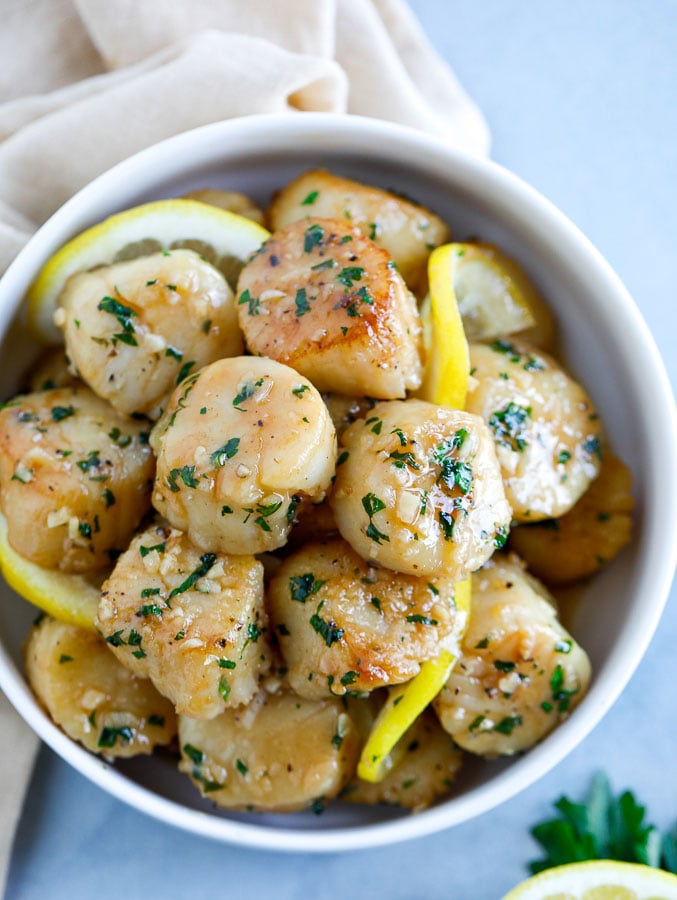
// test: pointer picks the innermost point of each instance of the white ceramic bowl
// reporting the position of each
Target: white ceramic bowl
(604, 341)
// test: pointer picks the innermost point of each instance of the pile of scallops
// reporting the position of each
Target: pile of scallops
(277, 522)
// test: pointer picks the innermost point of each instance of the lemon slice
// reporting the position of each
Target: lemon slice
(407, 701)
(221, 237)
(492, 298)
(603, 879)
(445, 380)
(71, 598)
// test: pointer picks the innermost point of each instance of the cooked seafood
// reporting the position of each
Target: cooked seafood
(241, 444)
(281, 753)
(345, 625)
(94, 698)
(545, 427)
(418, 490)
(189, 621)
(329, 303)
(519, 673)
(75, 478)
(135, 329)
(406, 230)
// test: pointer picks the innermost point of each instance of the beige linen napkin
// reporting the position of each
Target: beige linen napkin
(86, 83)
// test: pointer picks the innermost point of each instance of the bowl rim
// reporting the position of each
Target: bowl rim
(282, 131)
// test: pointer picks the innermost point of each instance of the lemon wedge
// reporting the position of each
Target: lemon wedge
(492, 298)
(407, 701)
(446, 384)
(603, 879)
(71, 598)
(221, 237)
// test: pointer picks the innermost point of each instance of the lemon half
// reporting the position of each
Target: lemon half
(603, 879)
(71, 598)
(223, 238)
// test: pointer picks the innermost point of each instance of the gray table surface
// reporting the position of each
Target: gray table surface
(580, 97)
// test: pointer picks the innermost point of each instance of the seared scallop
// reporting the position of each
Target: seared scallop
(192, 622)
(91, 696)
(327, 301)
(589, 536)
(344, 624)
(545, 427)
(519, 673)
(406, 230)
(281, 753)
(419, 489)
(241, 444)
(135, 329)
(75, 478)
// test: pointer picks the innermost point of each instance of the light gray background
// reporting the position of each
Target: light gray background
(580, 97)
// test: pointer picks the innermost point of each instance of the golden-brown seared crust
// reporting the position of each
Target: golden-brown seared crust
(328, 302)
(344, 625)
(192, 622)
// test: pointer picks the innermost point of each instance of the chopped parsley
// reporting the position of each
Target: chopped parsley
(510, 427)
(207, 560)
(301, 303)
(124, 315)
(313, 237)
(227, 451)
(301, 587)
(310, 198)
(253, 303)
(186, 474)
(348, 275)
(109, 736)
(60, 412)
(246, 392)
(418, 619)
(373, 504)
(160, 548)
(327, 630)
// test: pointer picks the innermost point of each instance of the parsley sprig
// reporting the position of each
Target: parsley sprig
(603, 827)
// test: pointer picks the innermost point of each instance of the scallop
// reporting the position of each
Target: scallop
(282, 753)
(545, 427)
(241, 445)
(589, 536)
(345, 625)
(320, 297)
(419, 489)
(192, 622)
(75, 478)
(135, 329)
(91, 696)
(407, 230)
(519, 673)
